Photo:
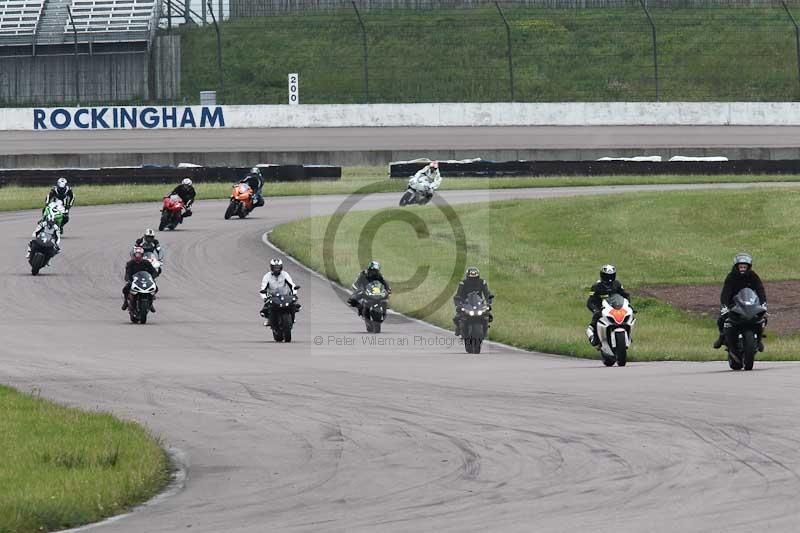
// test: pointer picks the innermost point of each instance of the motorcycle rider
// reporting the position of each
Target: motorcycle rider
(427, 179)
(741, 276)
(61, 191)
(149, 243)
(137, 264)
(187, 193)
(272, 280)
(48, 227)
(365, 277)
(472, 282)
(601, 290)
(255, 181)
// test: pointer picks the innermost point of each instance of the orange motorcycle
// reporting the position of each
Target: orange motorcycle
(241, 201)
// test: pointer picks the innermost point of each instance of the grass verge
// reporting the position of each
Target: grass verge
(365, 180)
(541, 256)
(64, 467)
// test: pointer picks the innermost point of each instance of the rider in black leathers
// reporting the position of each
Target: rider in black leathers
(601, 290)
(137, 264)
(62, 191)
(741, 276)
(472, 282)
(256, 182)
(365, 277)
(149, 243)
(187, 193)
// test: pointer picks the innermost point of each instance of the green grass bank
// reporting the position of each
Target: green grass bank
(64, 467)
(461, 55)
(541, 256)
(363, 180)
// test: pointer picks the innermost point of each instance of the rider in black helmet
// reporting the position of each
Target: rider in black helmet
(472, 282)
(369, 274)
(741, 276)
(601, 290)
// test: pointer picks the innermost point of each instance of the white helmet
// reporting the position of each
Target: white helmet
(276, 266)
(186, 181)
(61, 183)
(255, 170)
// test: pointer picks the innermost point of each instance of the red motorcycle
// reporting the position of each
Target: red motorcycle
(171, 212)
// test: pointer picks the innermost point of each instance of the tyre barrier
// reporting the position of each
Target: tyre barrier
(491, 169)
(158, 174)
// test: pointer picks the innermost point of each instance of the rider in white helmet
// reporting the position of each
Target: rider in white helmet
(272, 280)
(61, 191)
(427, 179)
(187, 193)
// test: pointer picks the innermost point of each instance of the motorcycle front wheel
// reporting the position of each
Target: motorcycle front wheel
(407, 198)
(621, 351)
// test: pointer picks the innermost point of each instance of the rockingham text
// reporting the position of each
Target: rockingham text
(106, 118)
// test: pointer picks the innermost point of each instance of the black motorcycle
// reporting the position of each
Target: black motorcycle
(43, 249)
(743, 328)
(140, 297)
(475, 317)
(283, 306)
(372, 304)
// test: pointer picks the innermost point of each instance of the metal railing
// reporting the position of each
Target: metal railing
(359, 51)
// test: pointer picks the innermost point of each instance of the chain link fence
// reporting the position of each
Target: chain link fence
(405, 51)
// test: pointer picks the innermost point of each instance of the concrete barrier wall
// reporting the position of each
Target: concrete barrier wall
(377, 115)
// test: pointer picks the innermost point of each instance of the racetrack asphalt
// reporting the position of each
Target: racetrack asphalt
(413, 435)
(396, 139)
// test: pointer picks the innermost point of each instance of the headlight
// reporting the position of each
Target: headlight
(472, 313)
(479, 313)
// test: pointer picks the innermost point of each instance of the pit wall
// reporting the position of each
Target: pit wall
(399, 115)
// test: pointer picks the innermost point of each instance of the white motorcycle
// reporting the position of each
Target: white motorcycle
(615, 328)
(420, 191)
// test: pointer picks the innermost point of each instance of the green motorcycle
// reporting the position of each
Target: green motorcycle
(59, 212)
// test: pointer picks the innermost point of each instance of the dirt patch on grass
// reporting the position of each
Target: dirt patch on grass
(703, 300)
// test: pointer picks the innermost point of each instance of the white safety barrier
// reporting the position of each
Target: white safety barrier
(404, 115)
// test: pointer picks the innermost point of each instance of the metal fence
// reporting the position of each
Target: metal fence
(470, 50)
(372, 51)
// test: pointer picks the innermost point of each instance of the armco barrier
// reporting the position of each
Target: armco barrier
(403, 115)
(599, 168)
(145, 175)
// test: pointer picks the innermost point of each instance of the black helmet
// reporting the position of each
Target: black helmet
(743, 259)
(276, 266)
(473, 272)
(608, 273)
(149, 235)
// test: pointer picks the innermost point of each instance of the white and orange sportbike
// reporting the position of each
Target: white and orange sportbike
(615, 328)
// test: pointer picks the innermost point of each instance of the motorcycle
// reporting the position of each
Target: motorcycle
(143, 290)
(241, 201)
(614, 329)
(57, 210)
(43, 249)
(373, 302)
(154, 260)
(283, 305)
(171, 212)
(419, 192)
(475, 318)
(743, 328)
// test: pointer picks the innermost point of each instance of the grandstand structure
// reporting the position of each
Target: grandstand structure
(82, 51)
